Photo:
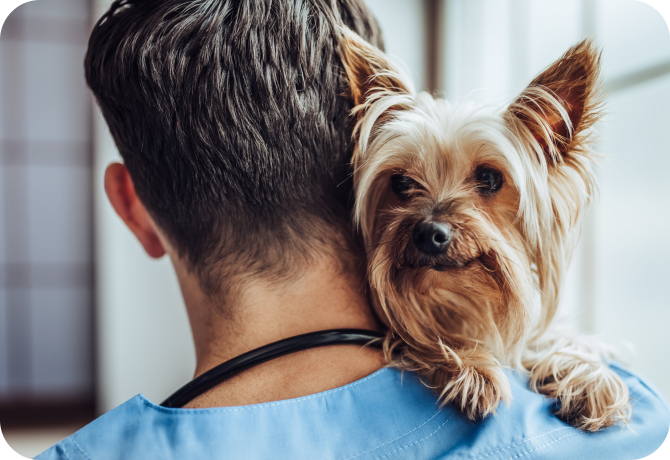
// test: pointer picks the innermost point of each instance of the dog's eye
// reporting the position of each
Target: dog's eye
(488, 180)
(401, 184)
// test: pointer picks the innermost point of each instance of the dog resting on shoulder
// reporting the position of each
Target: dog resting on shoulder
(470, 214)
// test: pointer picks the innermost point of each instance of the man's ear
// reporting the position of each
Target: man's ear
(121, 193)
(563, 102)
(370, 73)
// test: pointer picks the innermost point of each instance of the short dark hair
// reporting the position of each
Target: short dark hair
(232, 119)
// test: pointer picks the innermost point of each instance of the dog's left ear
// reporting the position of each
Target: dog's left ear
(370, 74)
(563, 102)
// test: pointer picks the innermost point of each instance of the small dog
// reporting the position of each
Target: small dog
(471, 214)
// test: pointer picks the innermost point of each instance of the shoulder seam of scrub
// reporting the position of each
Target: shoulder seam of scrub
(419, 440)
(78, 447)
(546, 445)
(177, 411)
(641, 384)
(522, 441)
(394, 440)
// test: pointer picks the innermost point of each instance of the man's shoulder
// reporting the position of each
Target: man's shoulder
(385, 415)
(527, 428)
(114, 428)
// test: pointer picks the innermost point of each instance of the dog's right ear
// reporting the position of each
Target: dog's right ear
(370, 73)
(561, 105)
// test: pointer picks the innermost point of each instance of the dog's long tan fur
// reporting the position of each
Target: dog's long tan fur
(490, 303)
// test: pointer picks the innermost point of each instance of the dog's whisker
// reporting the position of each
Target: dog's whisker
(499, 241)
(371, 247)
(377, 245)
(527, 272)
(377, 266)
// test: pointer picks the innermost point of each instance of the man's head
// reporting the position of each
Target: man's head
(233, 124)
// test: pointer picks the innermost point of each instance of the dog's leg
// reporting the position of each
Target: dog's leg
(462, 375)
(573, 371)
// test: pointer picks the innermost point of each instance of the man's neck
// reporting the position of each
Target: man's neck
(260, 312)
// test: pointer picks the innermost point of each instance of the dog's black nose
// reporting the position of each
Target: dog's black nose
(431, 238)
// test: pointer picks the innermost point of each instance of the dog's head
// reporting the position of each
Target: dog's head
(470, 211)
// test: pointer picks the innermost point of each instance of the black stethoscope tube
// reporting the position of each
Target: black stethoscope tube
(230, 368)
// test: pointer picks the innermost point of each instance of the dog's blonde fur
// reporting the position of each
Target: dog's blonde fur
(458, 325)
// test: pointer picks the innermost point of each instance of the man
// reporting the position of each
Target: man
(233, 126)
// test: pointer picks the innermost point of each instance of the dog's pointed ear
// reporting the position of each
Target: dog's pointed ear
(563, 102)
(369, 71)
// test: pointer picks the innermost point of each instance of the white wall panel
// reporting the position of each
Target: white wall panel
(554, 26)
(50, 9)
(402, 24)
(4, 345)
(58, 201)
(61, 323)
(635, 35)
(478, 51)
(55, 75)
(3, 249)
(633, 229)
(4, 350)
(2, 85)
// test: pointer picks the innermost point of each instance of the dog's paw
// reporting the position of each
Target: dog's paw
(591, 400)
(477, 391)
(469, 378)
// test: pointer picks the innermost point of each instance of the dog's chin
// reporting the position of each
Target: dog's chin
(438, 263)
(443, 267)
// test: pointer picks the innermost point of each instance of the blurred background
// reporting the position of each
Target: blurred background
(87, 320)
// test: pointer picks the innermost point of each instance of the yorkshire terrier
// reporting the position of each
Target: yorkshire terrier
(471, 213)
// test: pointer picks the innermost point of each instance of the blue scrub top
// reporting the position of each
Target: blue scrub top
(386, 415)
